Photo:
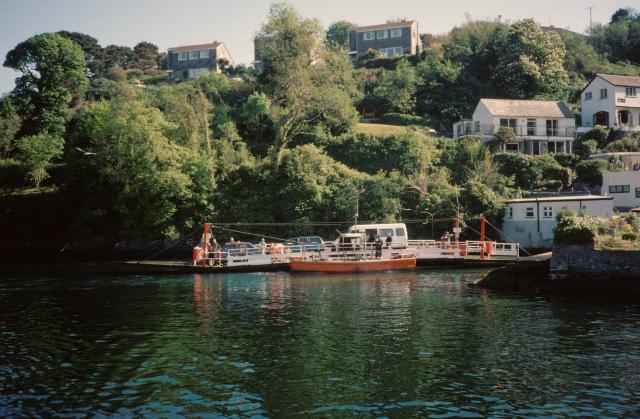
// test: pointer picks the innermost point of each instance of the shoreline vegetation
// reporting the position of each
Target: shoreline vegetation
(96, 147)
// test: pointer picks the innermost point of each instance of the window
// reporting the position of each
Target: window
(386, 232)
(476, 126)
(529, 212)
(205, 54)
(194, 55)
(369, 36)
(619, 189)
(603, 94)
(510, 212)
(547, 212)
(630, 91)
(382, 34)
(637, 192)
(512, 147)
(531, 127)
(508, 123)
(552, 127)
(183, 56)
(588, 95)
(395, 33)
(400, 232)
(391, 51)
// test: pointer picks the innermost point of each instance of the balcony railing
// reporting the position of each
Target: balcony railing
(469, 128)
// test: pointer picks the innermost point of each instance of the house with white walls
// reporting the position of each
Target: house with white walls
(540, 126)
(612, 101)
(531, 221)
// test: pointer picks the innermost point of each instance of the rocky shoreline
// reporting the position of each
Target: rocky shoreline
(570, 269)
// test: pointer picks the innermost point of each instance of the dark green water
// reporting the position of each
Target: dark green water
(277, 345)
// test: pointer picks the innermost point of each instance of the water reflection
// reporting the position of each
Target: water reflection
(390, 344)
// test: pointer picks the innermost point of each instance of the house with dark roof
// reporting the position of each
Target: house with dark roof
(611, 101)
(391, 39)
(539, 126)
(188, 61)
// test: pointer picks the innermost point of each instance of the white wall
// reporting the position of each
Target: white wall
(622, 200)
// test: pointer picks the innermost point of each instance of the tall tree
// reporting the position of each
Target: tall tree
(146, 54)
(52, 81)
(90, 46)
(530, 63)
(303, 96)
(398, 88)
(338, 34)
(287, 42)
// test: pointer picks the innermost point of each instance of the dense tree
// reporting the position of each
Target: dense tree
(9, 126)
(90, 46)
(134, 182)
(530, 64)
(397, 88)
(338, 33)
(305, 97)
(115, 56)
(52, 81)
(620, 40)
(37, 152)
(287, 42)
(146, 54)
(590, 171)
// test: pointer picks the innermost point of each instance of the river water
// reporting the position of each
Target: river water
(280, 345)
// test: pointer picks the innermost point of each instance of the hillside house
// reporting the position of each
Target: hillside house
(187, 62)
(391, 39)
(540, 126)
(611, 101)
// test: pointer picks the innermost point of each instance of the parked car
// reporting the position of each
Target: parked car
(308, 243)
(241, 248)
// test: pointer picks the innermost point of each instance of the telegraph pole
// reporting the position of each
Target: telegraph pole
(591, 20)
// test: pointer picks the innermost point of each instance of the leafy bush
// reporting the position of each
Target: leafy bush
(151, 80)
(585, 148)
(599, 133)
(631, 236)
(590, 171)
(567, 160)
(572, 229)
(626, 144)
(395, 118)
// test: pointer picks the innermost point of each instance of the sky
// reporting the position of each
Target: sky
(235, 22)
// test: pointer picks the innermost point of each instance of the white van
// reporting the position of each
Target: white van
(398, 233)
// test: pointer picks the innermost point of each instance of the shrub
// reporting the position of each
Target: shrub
(626, 144)
(567, 160)
(599, 133)
(572, 229)
(585, 148)
(395, 118)
(631, 236)
(590, 171)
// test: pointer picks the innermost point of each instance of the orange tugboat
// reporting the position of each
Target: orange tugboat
(338, 265)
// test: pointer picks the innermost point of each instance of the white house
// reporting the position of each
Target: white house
(612, 101)
(540, 126)
(623, 187)
(530, 221)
